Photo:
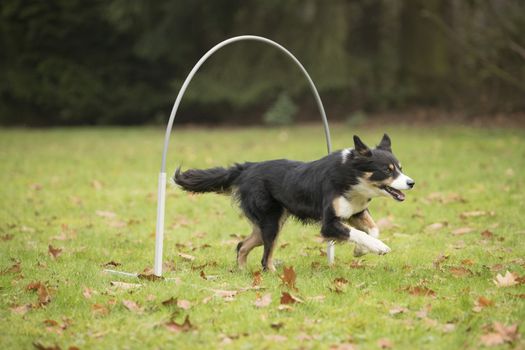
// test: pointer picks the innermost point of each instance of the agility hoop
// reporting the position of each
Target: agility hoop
(161, 196)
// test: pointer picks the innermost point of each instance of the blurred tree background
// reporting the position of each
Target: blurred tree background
(73, 62)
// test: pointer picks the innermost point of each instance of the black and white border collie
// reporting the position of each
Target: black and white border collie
(334, 191)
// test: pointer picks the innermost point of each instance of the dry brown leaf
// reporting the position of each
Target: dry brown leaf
(459, 271)
(288, 277)
(462, 231)
(467, 262)
(397, 310)
(55, 252)
(150, 277)
(7, 237)
(87, 293)
(487, 234)
(15, 268)
(436, 226)
(186, 326)
(106, 214)
(420, 291)
(476, 213)
(186, 256)
(112, 264)
(482, 303)
(184, 304)
(500, 334)
(42, 290)
(283, 307)
(276, 338)
(384, 343)
(288, 298)
(340, 285)
(317, 298)
(227, 295)
(439, 260)
(257, 278)
(20, 309)
(125, 285)
(40, 346)
(131, 305)
(506, 281)
(99, 310)
(263, 301)
(97, 185)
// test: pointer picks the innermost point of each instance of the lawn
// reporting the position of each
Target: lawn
(77, 201)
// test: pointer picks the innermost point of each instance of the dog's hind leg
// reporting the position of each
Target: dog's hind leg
(245, 247)
(270, 229)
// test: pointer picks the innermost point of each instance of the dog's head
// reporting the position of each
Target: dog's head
(380, 171)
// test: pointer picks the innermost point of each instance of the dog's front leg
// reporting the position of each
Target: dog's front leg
(364, 222)
(333, 228)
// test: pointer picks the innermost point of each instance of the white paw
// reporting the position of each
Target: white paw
(373, 245)
(378, 247)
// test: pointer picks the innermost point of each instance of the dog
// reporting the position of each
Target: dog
(334, 191)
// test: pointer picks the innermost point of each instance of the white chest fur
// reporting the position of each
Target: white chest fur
(346, 207)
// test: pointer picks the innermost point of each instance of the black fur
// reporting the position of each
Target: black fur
(305, 190)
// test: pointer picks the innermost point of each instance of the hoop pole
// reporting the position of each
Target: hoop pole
(159, 233)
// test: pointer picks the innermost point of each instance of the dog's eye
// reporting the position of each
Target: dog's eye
(389, 170)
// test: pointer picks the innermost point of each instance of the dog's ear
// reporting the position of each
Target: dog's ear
(361, 148)
(385, 144)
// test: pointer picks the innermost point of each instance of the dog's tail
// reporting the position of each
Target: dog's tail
(217, 179)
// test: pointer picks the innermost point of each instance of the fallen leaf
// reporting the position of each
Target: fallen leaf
(257, 278)
(106, 214)
(283, 307)
(150, 277)
(125, 285)
(436, 226)
(40, 346)
(462, 231)
(276, 325)
(227, 295)
(276, 338)
(6, 237)
(186, 326)
(131, 305)
(111, 264)
(87, 293)
(439, 260)
(15, 268)
(467, 262)
(343, 346)
(184, 304)
(487, 234)
(287, 298)
(482, 303)
(186, 256)
(500, 334)
(340, 284)
(506, 281)
(97, 185)
(99, 310)
(420, 291)
(384, 343)
(55, 252)
(318, 298)
(459, 271)
(289, 277)
(20, 309)
(42, 290)
(263, 301)
(397, 310)
(476, 213)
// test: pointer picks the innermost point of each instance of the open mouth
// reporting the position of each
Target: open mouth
(396, 194)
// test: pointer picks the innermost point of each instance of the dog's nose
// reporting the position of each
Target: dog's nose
(411, 183)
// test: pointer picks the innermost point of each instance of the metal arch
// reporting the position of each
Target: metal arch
(159, 235)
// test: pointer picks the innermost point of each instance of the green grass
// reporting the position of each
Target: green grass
(55, 181)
